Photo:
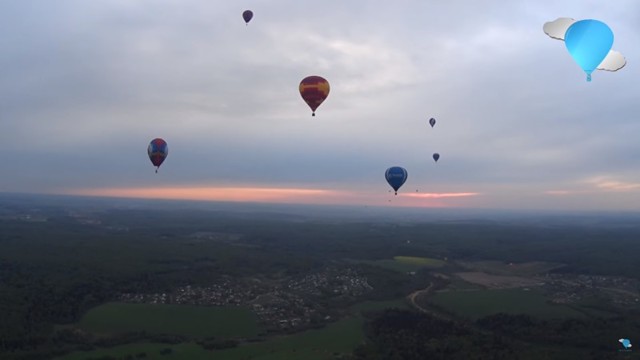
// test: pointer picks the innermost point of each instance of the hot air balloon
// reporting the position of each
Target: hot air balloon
(396, 176)
(158, 151)
(436, 156)
(588, 42)
(432, 122)
(314, 90)
(247, 15)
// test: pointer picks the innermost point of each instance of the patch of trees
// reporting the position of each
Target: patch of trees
(407, 335)
(214, 344)
(596, 334)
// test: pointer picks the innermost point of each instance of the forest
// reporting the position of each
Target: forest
(61, 258)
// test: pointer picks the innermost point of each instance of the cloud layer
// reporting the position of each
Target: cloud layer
(86, 85)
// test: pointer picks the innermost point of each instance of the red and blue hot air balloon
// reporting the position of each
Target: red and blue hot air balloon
(396, 176)
(158, 151)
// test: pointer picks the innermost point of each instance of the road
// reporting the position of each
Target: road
(412, 298)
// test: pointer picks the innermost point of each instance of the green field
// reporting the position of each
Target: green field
(510, 268)
(480, 303)
(420, 261)
(152, 351)
(340, 337)
(407, 263)
(194, 321)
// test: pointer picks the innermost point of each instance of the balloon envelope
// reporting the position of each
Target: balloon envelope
(157, 151)
(588, 42)
(314, 90)
(436, 156)
(396, 176)
(432, 122)
(247, 15)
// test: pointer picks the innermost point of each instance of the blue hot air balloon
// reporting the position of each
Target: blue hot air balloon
(588, 42)
(432, 122)
(436, 156)
(396, 176)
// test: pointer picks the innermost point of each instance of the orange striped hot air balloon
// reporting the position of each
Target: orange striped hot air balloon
(314, 90)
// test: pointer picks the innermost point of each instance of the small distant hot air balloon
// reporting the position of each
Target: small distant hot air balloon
(432, 122)
(314, 90)
(436, 156)
(396, 176)
(158, 151)
(247, 15)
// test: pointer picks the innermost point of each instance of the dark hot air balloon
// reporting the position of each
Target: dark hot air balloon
(436, 156)
(314, 90)
(247, 15)
(158, 151)
(432, 122)
(396, 176)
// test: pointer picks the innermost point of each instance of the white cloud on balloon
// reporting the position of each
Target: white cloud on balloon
(557, 29)
(613, 62)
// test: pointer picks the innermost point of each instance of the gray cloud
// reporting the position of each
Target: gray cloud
(558, 27)
(614, 61)
(86, 85)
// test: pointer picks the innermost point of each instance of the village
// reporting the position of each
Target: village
(286, 305)
(569, 288)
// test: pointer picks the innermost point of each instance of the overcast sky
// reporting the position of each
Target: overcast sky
(85, 85)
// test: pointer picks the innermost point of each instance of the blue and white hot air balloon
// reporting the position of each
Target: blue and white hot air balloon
(396, 176)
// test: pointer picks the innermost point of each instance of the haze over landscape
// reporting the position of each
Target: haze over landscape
(269, 234)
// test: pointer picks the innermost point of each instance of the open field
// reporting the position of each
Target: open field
(406, 263)
(497, 281)
(152, 351)
(340, 337)
(420, 261)
(511, 268)
(194, 321)
(481, 303)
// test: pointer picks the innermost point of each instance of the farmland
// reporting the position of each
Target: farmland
(196, 321)
(480, 303)
(407, 263)
(339, 337)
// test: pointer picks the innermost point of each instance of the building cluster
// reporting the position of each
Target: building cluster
(281, 305)
(570, 288)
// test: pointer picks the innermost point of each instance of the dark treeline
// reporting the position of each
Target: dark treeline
(599, 335)
(406, 335)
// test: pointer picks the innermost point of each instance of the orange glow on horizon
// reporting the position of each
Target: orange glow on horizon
(441, 195)
(209, 193)
(274, 195)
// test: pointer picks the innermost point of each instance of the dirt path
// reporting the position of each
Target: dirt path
(413, 295)
(412, 299)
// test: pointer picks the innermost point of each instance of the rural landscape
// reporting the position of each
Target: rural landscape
(89, 278)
